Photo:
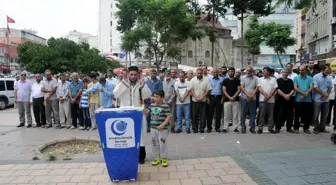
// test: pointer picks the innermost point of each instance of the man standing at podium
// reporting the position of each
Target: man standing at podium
(131, 92)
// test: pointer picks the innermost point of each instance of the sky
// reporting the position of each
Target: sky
(51, 18)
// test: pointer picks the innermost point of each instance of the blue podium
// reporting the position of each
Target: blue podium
(120, 134)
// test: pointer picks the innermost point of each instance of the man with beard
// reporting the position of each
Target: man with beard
(200, 90)
(267, 86)
(231, 90)
(131, 92)
(37, 98)
(322, 86)
(311, 71)
(285, 102)
(170, 97)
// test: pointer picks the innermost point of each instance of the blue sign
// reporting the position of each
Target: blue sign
(120, 135)
(122, 54)
(275, 58)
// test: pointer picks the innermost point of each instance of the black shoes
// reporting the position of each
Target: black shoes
(141, 161)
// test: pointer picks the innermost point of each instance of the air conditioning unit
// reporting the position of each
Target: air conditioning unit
(313, 34)
(307, 18)
(315, 14)
(201, 63)
(334, 45)
(333, 20)
(334, 38)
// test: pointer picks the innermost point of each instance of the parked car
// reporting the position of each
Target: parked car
(6, 92)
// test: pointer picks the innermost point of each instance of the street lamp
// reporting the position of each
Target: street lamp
(301, 52)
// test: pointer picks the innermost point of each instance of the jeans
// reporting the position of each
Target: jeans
(86, 117)
(183, 109)
(248, 108)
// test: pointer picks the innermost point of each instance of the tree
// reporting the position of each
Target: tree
(61, 55)
(253, 36)
(304, 5)
(278, 37)
(160, 25)
(215, 9)
(243, 7)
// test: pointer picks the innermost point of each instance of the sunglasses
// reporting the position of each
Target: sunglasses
(23, 75)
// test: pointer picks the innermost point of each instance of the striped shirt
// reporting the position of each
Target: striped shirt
(84, 101)
(159, 113)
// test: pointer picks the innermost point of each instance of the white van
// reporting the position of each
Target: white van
(6, 92)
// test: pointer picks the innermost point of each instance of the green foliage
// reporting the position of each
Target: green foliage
(276, 36)
(61, 55)
(304, 5)
(127, 14)
(260, 7)
(253, 36)
(216, 6)
(160, 25)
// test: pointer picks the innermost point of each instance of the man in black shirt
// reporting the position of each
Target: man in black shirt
(285, 102)
(231, 90)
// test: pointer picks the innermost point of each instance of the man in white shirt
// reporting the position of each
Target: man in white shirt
(182, 90)
(62, 94)
(131, 92)
(267, 86)
(332, 102)
(291, 74)
(37, 98)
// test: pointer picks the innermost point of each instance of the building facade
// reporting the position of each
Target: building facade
(79, 37)
(267, 57)
(8, 50)
(109, 38)
(300, 35)
(196, 53)
(321, 32)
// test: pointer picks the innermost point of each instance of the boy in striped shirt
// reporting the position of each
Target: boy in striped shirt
(84, 104)
(160, 117)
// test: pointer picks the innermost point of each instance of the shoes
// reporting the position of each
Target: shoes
(73, 127)
(236, 130)
(156, 162)
(81, 128)
(243, 131)
(148, 130)
(307, 131)
(29, 125)
(224, 131)
(21, 125)
(290, 131)
(188, 132)
(141, 161)
(252, 131)
(178, 131)
(271, 131)
(164, 162)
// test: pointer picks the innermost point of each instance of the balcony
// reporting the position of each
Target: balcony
(303, 29)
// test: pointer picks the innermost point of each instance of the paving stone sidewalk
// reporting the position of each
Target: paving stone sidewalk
(203, 171)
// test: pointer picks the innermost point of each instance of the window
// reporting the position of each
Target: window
(111, 23)
(207, 54)
(111, 42)
(10, 85)
(2, 86)
(111, 5)
(111, 14)
(190, 54)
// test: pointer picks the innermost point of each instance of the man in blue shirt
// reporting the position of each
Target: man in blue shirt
(216, 103)
(154, 84)
(303, 85)
(105, 90)
(322, 88)
(75, 91)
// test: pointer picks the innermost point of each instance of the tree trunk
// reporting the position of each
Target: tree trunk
(279, 59)
(150, 57)
(126, 60)
(130, 59)
(242, 40)
(213, 43)
(252, 60)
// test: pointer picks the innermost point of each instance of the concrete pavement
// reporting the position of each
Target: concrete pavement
(268, 159)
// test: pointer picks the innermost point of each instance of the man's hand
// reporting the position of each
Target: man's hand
(101, 90)
(73, 100)
(48, 97)
(181, 100)
(231, 98)
(15, 101)
(222, 101)
(287, 97)
(160, 128)
(326, 96)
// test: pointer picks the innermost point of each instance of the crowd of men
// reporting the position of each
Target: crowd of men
(197, 99)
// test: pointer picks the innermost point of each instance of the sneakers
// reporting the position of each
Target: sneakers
(164, 162)
(81, 128)
(156, 162)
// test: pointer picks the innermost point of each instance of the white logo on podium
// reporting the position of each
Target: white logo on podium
(120, 133)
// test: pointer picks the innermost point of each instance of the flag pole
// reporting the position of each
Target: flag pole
(7, 35)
